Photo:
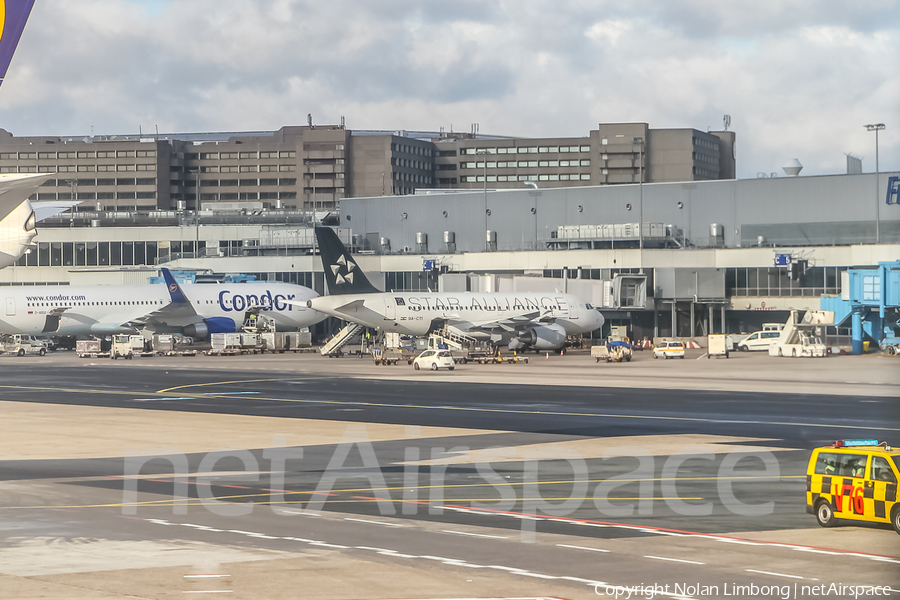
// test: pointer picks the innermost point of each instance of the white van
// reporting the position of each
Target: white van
(760, 340)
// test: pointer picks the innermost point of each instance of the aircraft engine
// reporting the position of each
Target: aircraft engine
(202, 330)
(541, 337)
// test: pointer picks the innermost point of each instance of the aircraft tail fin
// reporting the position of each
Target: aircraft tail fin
(12, 22)
(342, 274)
(175, 292)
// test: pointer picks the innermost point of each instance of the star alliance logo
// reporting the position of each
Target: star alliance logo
(348, 266)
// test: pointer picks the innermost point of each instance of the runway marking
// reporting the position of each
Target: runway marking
(502, 411)
(582, 548)
(482, 535)
(203, 576)
(680, 560)
(374, 522)
(775, 574)
(664, 531)
(226, 393)
(159, 399)
(453, 562)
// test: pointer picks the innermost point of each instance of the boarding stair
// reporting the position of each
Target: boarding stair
(452, 337)
(334, 345)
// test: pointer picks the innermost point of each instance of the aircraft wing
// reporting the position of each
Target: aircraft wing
(51, 208)
(16, 187)
(177, 312)
(510, 324)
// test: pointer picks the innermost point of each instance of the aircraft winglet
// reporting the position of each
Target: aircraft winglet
(13, 17)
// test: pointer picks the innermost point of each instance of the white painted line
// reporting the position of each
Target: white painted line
(373, 549)
(157, 400)
(582, 548)
(227, 393)
(538, 575)
(327, 545)
(207, 592)
(702, 355)
(302, 513)
(775, 574)
(681, 560)
(373, 522)
(496, 537)
(199, 576)
(587, 581)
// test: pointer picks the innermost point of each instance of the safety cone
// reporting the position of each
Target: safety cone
(560, 352)
(548, 356)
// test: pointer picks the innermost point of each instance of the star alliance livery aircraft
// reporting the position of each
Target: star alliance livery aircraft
(154, 308)
(522, 320)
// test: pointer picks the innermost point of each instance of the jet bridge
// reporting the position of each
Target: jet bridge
(870, 300)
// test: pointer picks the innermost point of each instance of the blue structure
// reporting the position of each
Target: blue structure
(191, 276)
(870, 298)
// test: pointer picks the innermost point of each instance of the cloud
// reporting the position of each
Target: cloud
(800, 78)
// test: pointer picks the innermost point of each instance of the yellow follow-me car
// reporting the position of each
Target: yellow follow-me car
(854, 480)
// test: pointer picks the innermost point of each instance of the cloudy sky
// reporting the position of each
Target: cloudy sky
(799, 78)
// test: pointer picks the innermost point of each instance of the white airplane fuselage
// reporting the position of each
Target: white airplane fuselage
(102, 309)
(495, 316)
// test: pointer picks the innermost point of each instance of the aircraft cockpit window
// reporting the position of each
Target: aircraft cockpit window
(589, 307)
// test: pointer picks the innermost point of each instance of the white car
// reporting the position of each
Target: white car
(761, 340)
(434, 360)
(669, 349)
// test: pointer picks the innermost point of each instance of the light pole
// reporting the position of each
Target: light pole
(876, 128)
(534, 195)
(487, 243)
(640, 143)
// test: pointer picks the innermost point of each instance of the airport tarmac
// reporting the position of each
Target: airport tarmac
(871, 374)
(450, 452)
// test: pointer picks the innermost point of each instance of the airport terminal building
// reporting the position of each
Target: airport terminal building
(648, 224)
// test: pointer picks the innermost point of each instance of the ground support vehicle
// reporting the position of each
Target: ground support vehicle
(387, 356)
(284, 341)
(803, 337)
(434, 360)
(92, 348)
(758, 340)
(890, 346)
(600, 353)
(717, 345)
(669, 349)
(515, 358)
(121, 347)
(854, 480)
(232, 344)
(20, 345)
(613, 351)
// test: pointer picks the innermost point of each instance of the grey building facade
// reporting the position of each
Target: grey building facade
(312, 168)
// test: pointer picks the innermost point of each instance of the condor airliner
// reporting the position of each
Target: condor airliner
(195, 310)
(521, 320)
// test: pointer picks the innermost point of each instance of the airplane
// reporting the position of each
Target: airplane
(13, 16)
(538, 321)
(17, 217)
(151, 308)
